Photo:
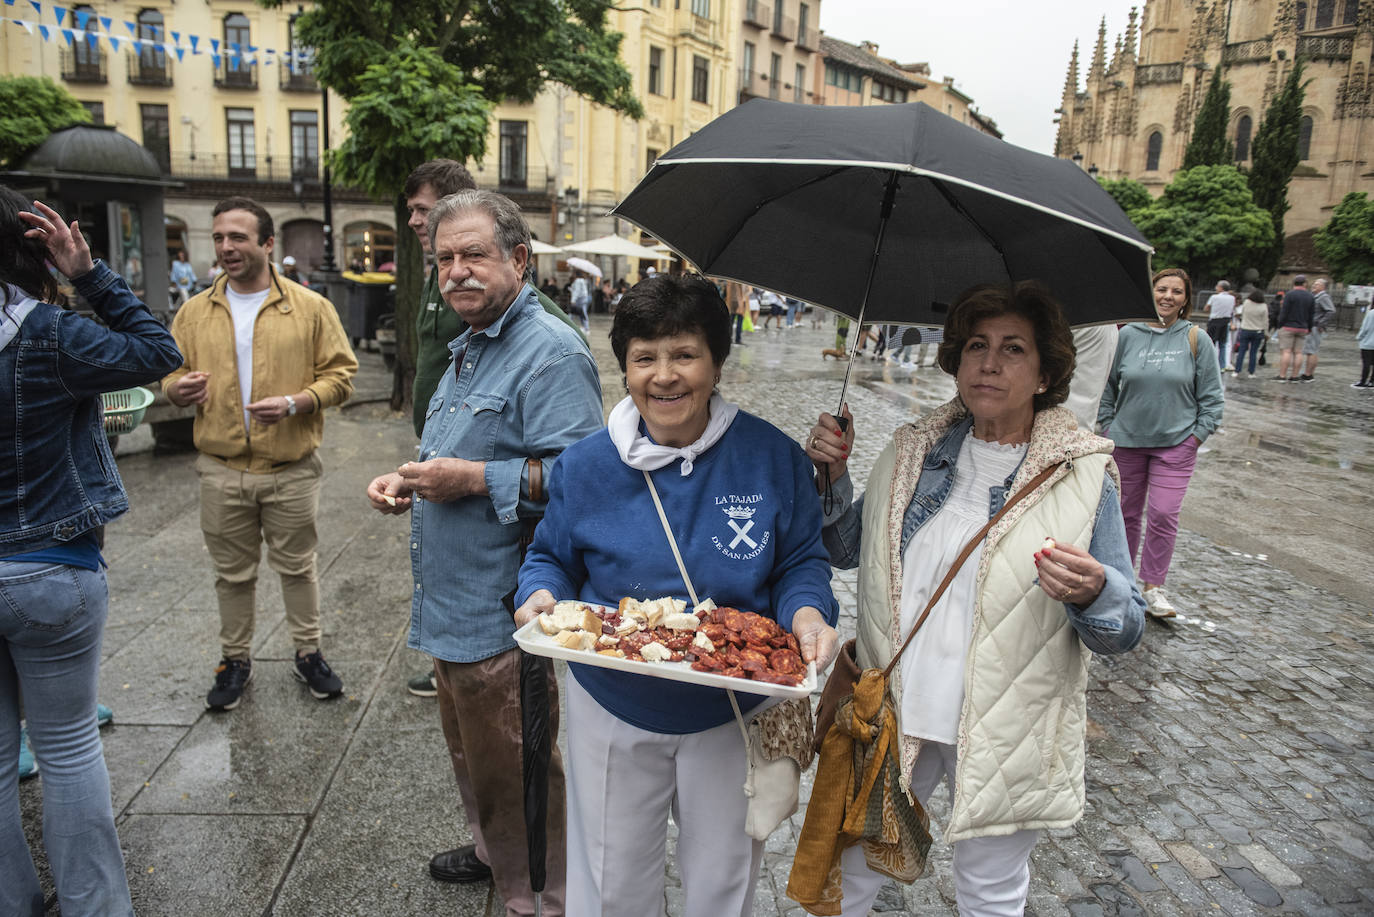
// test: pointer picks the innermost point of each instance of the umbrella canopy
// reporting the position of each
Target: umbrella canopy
(582, 264)
(543, 248)
(822, 202)
(616, 246)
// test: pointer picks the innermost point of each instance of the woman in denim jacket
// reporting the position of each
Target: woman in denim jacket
(58, 484)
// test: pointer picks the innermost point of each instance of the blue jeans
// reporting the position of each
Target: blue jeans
(51, 621)
(1250, 340)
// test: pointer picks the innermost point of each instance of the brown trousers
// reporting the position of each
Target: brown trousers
(479, 709)
(238, 511)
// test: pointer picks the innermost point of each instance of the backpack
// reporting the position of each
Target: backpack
(11, 319)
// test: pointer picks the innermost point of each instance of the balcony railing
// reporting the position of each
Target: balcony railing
(808, 39)
(1159, 73)
(235, 75)
(298, 78)
(536, 178)
(1257, 50)
(250, 167)
(1313, 47)
(150, 69)
(84, 66)
(786, 29)
(759, 15)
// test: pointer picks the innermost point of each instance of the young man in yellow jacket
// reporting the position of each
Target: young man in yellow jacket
(263, 358)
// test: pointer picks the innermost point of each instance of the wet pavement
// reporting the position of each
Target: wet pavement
(1229, 771)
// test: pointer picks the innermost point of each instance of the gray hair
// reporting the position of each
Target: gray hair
(1320, 280)
(1223, 285)
(511, 229)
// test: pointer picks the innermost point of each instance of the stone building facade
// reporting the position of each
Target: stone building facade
(1132, 113)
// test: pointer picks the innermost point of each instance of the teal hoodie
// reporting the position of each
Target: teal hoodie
(1159, 392)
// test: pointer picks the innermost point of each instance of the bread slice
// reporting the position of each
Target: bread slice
(575, 640)
(681, 621)
(656, 652)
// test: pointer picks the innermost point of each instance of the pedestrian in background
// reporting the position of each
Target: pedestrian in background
(53, 594)
(1295, 323)
(1254, 319)
(183, 279)
(1221, 306)
(737, 298)
(1163, 399)
(580, 296)
(1323, 310)
(1365, 338)
(264, 357)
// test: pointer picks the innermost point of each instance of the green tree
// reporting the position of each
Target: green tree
(1206, 223)
(421, 80)
(1208, 146)
(1346, 243)
(31, 108)
(1275, 156)
(1130, 195)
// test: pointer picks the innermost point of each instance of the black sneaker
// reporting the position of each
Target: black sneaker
(231, 677)
(1306, 379)
(316, 673)
(423, 685)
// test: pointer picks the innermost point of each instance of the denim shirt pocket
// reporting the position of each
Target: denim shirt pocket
(486, 412)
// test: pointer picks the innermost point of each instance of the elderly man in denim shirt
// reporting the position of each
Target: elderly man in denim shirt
(522, 387)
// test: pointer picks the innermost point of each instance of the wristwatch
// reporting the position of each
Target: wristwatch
(290, 406)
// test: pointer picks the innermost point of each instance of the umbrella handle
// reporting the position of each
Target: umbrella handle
(828, 499)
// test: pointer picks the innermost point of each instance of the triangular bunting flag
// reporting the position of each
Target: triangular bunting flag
(106, 21)
(133, 31)
(138, 45)
(176, 38)
(27, 28)
(195, 40)
(93, 40)
(214, 59)
(37, 7)
(114, 43)
(43, 30)
(82, 17)
(181, 53)
(214, 48)
(70, 36)
(60, 12)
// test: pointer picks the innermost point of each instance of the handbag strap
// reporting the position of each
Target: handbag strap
(964, 555)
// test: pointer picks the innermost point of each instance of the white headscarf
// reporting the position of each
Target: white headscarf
(643, 454)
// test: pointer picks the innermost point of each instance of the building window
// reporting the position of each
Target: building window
(774, 75)
(650, 157)
(1243, 127)
(157, 134)
(803, 15)
(297, 64)
(242, 159)
(1352, 10)
(656, 71)
(237, 39)
(843, 78)
(777, 17)
(1153, 147)
(1302, 15)
(1326, 14)
(747, 62)
(305, 144)
(87, 58)
(798, 87)
(513, 145)
(97, 111)
(701, 8)
(701, 73)
(1305, 138)
(150, 31)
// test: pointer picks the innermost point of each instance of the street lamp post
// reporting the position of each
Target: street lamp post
(328, 264)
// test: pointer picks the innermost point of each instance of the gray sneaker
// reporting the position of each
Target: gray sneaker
(1157, 604)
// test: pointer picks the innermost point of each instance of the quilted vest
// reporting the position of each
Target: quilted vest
(1021, 732)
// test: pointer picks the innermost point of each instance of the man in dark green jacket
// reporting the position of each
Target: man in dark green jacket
(435, 323)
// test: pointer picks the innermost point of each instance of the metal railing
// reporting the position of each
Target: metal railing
(1259, 49)
(758, 14)
(1159, 73)
(250, 167)
(235, 75)
(298, 78)
(150, 69)
(88, 66)
(536, 178)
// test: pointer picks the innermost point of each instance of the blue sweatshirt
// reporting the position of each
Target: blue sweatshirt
(1365, 337)
(747, 521)
(1158, 393)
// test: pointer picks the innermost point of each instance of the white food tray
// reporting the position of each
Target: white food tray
(533, 640)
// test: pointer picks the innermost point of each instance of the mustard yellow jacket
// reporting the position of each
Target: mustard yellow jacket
(298, 344)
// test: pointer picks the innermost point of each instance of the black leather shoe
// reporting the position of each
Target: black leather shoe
(459, 865)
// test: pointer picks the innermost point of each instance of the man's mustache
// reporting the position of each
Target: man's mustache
(470, 283)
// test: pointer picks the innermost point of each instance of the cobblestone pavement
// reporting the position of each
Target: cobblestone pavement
(1229, 770)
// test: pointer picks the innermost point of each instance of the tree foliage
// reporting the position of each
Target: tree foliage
(1275, 156)
(1130, 195)
(1346, 243)
(1208, 146)
(1206, 223)
(421, 80)
(31, 108)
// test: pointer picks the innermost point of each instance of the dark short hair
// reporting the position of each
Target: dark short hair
(1028, 300)
(444, 177)
(665, 305)
(21, 259)
(265, 228)
(1256, 295)
(1181, 274)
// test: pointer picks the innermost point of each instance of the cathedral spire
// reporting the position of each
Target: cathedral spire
(1128, 47)
(1099, 52)
(1071, 78)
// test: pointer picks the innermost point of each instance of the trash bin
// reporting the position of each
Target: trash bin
(370, 296)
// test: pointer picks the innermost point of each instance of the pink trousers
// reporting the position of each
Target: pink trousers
(1153, 482)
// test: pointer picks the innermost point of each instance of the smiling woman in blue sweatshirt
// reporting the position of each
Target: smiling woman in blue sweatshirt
(742, 504)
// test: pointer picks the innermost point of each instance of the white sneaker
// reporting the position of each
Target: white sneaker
(1157, 604)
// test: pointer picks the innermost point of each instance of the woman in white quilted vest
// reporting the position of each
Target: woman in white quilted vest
(991, 694)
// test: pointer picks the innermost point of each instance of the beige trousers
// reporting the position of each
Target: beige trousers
(479, 709)
(238, 512)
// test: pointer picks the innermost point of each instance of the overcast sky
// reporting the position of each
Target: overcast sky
(1010, 57)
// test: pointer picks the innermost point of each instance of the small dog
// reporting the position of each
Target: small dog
(834, 352)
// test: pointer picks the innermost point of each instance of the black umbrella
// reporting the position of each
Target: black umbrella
(886, 213)
(536, 751)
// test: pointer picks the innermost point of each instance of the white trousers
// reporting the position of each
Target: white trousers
(622, 783)
(991, 874)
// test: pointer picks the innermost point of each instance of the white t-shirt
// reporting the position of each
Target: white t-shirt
(933, 666)
(1096, 349)
(245, 309)
(1221, 305)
